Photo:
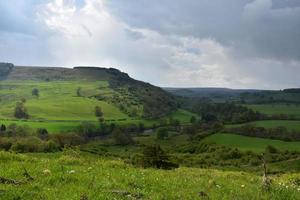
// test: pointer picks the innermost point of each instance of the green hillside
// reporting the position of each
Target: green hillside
(69, 96)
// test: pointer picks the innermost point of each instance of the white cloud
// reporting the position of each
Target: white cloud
(91, 35)
(170, 48)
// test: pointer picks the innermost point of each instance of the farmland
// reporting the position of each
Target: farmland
(251, 144)
(277, 109)
(289, 124)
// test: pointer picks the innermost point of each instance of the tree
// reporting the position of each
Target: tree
(2, 128)
(35, 92)
(42, 133)
(141, 127)
(87, 130)
(78, 92)
(193, 119)
(98, 112)
(162, 133)
(121, 137)
(21, 110)
(154, 156)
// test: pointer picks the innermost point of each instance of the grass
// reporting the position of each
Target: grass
(250, 143)
(57, 100)
(276, 109)
(59, 109)
(75, 176)
(290, 125)
(60, 126)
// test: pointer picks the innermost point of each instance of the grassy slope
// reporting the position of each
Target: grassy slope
(57, 101)
(97, 178)
(250, 143)
(271, 109)
(59, 109)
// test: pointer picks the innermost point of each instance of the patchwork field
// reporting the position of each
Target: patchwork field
(70, 175)
(289, 124)
(250, 143)
(276, 109)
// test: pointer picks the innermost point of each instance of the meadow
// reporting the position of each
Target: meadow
(289, 124)
(277, 109)
(58, 108)
(251, 143)
(73, 175)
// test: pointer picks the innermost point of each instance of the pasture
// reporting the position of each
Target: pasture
(250, 143)
(289, 124)
(277, 109)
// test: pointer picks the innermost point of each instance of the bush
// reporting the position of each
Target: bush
(66, 140)
(5, 143)
(51, 146)
(21, 111)
(121, 137)
(162, 133)
(42, 133)
(154, 156)
(30, 144)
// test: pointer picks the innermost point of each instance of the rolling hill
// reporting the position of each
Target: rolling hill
(70, 95)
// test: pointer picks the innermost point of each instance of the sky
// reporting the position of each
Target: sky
(174, 43)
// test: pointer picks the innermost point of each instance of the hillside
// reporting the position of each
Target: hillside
(249, 96)
(70, 96)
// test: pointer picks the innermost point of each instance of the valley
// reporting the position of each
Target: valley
(99, 134)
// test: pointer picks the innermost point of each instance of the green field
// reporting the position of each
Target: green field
(71, 175)
(250, 143)
(57, 100)
(69, 126)
(276, 109)
(59, 109)
(290, 125)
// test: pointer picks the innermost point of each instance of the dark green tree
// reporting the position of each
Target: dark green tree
(21, 110)
(162, 133)
(121, 137)
(42, 133)
(98, 112)
(35, 92)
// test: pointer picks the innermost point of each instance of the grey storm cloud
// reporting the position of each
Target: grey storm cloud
(257, 28)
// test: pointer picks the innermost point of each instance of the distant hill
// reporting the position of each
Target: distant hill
(251, 96)
(132, 97)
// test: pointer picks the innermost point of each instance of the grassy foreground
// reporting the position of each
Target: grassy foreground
(71, 175)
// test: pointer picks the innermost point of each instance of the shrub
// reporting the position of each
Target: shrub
(65, 140)
(21, 110)
(42, 133)
(30, 144)
(154, 156)
(121, 137)
(162, 133)
(98, 112)
(271, 149)
(35, 92)
(5, 143)
(51, 146)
